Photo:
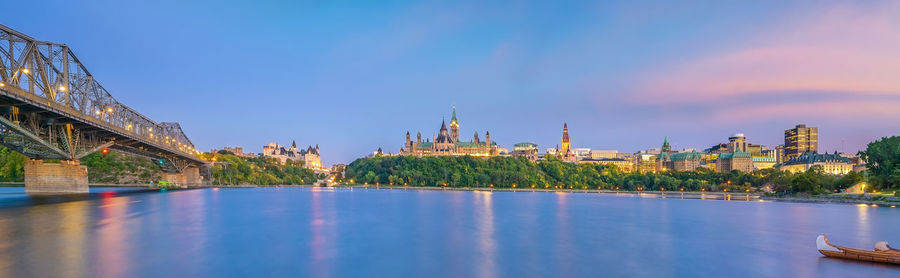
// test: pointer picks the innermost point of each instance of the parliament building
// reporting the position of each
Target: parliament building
(447, 143)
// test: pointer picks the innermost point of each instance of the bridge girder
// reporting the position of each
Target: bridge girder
(53, 108)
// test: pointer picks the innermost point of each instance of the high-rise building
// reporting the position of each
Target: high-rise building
(800, 140)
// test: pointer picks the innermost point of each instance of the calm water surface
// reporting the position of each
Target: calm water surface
(396, 233)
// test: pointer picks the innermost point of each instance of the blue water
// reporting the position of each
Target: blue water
(297, 232)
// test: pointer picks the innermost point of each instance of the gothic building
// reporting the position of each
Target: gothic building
(447, 143)
(310, 156)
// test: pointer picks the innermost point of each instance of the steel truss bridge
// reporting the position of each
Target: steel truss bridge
(51, 107)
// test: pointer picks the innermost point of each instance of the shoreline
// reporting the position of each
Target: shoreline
(698, 195)
(688, 195)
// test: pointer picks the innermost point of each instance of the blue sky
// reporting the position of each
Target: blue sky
(355, 76)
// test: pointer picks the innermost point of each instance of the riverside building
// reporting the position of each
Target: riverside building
(833, 164)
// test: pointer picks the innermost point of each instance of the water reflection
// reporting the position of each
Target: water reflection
(486, 243)
(310, 232)
(114, 255)
(562, 236)
(323, 234)
(73, 237)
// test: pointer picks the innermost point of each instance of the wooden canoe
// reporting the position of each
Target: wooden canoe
(883, 253)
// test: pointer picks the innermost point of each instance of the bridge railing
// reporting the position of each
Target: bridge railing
(51, 73)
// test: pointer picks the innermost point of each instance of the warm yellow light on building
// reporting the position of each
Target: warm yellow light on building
(109, 110)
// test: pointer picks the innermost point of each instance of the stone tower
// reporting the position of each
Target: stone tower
(666, 148)
(566, 144)
(454, 126)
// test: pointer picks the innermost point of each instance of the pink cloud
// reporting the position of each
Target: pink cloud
(843, 49)
(832, 111)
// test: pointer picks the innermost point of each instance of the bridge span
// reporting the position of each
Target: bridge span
(55, 112)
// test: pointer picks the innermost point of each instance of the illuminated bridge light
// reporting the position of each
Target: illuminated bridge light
(25, 70)
(62, 88)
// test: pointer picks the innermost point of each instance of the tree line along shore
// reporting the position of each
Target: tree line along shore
(883, 174)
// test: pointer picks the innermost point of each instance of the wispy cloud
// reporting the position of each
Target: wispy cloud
(846, 50)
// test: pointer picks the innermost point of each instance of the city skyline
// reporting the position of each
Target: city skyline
(621, 76)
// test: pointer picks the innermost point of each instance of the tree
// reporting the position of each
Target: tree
(810, 181)
(883, 162)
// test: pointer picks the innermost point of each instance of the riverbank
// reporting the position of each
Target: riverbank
(728, 196)
(838, 199)
(698, 195)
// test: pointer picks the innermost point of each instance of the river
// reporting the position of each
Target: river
(321, 232)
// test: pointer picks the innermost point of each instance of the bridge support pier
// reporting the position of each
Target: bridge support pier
(65, 177)
(189, 177)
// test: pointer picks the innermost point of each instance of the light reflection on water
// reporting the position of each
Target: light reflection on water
(400, 233)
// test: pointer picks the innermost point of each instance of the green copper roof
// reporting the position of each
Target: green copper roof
(663, 155)
(686, 155)
(424, 145)
(734, 155)
(453, 117)
(471, 144)
(763, 159)
(811, 157)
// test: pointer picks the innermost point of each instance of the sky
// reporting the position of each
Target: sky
(357, 75)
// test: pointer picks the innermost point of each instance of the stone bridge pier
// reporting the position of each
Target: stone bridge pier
(63, 177)
(189, 177)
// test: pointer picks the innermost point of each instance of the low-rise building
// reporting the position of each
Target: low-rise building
(645, 163)
(598, 154)
(527, 149)
(741, 161)
(622, 165)
(834, 164)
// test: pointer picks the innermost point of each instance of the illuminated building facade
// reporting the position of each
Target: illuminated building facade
(682, 161)
(447, 143)
(310, 156)
(800, 140)
(833, 164)
(741, 161)
(621, 164)
(527, 149)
